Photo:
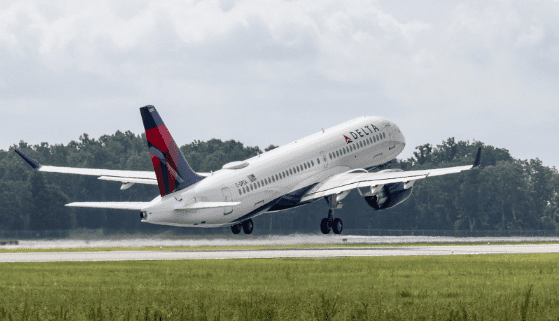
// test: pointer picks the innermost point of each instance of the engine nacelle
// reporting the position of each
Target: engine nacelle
(388, 195)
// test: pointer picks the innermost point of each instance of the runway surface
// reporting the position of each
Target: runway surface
(250, 240)
(295, 253)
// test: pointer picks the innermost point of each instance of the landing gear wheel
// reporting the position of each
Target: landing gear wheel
(325, 226)
(236, 229)
(338, 226)
(247, 226)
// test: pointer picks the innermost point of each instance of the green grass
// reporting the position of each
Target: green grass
(488, 287)
(252, 247)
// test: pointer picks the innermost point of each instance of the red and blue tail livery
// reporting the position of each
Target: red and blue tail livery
(172, 171)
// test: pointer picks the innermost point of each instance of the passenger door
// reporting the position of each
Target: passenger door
(227, 198)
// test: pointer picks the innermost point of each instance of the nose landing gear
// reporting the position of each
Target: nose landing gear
(330, 223)
(245, 226)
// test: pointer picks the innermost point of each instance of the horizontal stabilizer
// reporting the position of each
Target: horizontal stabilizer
(116, 205)
(202, 205)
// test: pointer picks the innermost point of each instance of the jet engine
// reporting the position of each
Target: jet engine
(389, 195)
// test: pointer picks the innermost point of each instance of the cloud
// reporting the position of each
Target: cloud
(457, 66)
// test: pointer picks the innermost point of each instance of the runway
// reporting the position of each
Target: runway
(294, 253)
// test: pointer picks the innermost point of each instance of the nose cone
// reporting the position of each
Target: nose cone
(399, 137)
(402, 138)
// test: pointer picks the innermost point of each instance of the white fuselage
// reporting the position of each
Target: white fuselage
(272, 177)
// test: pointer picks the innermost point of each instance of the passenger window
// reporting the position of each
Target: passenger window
(318, 161)
(251, 188)
(276, 177)
(309, 164)
(244, 190)
(240, 193)
(258, 184)
(361, 143)
(330, 155)
(312, 163)
(338, 153)
(305, 165)
(283, 174)
(384, 135)
(298, 169)
(290, 172)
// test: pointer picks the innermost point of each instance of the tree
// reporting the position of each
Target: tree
(38, 218)
(540, 182)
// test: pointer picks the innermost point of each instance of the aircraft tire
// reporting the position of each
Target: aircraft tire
(236, 229)
(324, 226)
(247, 226)
(337, 226)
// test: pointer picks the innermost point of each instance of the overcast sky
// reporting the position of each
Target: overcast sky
(270, 72)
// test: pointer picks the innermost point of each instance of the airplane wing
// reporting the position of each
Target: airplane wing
(126, 177)
(147, 175)
(350, 180)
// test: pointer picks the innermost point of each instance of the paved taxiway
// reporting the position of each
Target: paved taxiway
(295, 253)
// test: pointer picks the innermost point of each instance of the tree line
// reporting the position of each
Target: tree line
(503, 194)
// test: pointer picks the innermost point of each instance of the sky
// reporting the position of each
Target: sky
(270, 72)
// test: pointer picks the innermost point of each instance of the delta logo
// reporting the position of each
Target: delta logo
(361, 132)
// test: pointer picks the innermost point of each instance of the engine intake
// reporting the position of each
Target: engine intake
(388, 196)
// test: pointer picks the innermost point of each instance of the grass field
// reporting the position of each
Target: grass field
(488, 287)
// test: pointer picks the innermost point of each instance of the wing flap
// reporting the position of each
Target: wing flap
(114, 205)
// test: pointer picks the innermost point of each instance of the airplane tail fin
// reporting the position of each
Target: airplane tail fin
(172, 171)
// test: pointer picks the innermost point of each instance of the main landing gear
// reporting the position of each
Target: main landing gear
(246, 226)
(330, 223)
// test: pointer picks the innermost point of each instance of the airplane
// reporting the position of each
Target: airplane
(326, 165)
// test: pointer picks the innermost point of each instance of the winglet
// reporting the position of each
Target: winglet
(478, 161)
(33, 163)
